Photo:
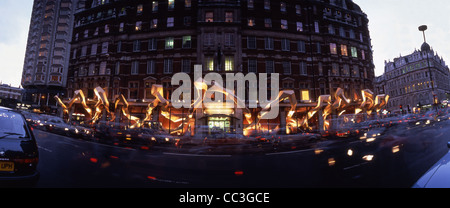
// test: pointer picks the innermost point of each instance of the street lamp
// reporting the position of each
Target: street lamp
(422, 28)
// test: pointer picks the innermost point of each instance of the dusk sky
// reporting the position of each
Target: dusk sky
(393, 27)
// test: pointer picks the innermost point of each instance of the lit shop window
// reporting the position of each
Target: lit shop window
(154, 24)
(140, 9)
(251, 21)
(284, 24)
(138, 26)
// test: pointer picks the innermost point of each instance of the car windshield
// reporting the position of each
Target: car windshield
(12, 124)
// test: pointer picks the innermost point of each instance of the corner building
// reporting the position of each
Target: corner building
(125, 47)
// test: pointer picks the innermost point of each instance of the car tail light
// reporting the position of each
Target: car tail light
(33, 161)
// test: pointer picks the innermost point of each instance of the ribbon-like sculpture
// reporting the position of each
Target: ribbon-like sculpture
(78, 95)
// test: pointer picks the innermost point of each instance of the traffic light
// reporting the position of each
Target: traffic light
(401, 107)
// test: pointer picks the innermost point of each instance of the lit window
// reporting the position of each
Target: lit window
(229, 63)
(228, 16)
(316, 27)
(305, 94)
(209, 63)
(140, 9)
(169, 43)
(209, 17)
(354, 52)
(170, 22)
(138, 26)
(251, 21)
(283, 6)
(333, 49)
(154, 24)
(186, 41)
(284, 24)
(154, 6)
(344, 50)
(299, 27)
(121, 27)
(171, 4)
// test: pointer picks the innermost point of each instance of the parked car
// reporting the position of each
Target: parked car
(19, 154)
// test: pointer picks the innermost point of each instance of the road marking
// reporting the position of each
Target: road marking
(45, 149)
(194, 155)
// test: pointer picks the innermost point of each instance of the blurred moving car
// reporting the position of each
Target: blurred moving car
(19, 154)
(437, 175)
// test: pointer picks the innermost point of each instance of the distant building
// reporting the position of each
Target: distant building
(408, 82)
(48, 49)
(10, 96)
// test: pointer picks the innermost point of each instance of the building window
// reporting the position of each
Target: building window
(301, 46)
(269, 66)
(285, 44)
(150, 66)
(355, 71)
(117, 68)
(331, 29)
(187, 3)
(154, 24)
(268, 43)
(135, 67)
(187, 21)
(170, 22)
(303, 68)
(298, 9)
(344, 50)
(229, 17)
(136, 46)
(148, 89)
(299, 27)
(333, 49)
(284, 24)
(229, 39)
(252, 65)
(105, 47)
(354, 52)
(305, 95)
(267, 4)
(186, 65)
(268, 22)
(208, 39)
(229, 63)
(169, 43)
(170, 4)
(119, 46)
(102, 70)
(152, 44)
(94, 49)
(251, 42)
(250, 4)
(283, 6)
(209, 17)
(335, 69)
(168, 66)
(138, 26)
(342, 32)
(251, 21)
(121, 27)
(209, 63)
(320, 66)
(286, 67)
(154, 6)
(316, 27)
(186, 41)
(133, 89)
(346, 70)
(140, 9)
